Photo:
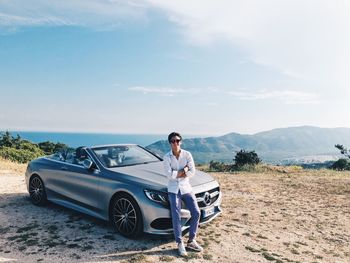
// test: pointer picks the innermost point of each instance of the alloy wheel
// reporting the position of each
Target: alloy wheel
(37, 191)
(125, 216)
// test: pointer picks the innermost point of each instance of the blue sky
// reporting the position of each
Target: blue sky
(198, 67)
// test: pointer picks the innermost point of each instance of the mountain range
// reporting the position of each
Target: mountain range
(277, 146)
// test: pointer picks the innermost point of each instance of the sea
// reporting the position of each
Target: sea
(88, 139)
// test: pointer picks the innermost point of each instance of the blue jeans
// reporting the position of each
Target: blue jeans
(175, 206)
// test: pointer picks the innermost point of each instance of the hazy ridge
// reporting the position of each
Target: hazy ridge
(274, 146)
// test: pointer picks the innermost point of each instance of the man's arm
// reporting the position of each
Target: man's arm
(190, 168)
(169, 172)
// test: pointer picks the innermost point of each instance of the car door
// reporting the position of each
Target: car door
(77, 185)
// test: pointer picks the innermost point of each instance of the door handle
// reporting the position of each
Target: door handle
(64, 168)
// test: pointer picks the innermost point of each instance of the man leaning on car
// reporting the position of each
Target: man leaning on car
(179, 167)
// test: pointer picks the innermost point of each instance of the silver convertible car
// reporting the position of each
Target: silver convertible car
(124, 184)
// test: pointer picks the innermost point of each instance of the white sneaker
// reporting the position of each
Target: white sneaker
(182, 250)
(194, 246)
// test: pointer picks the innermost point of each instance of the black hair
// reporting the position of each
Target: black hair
(173, 134)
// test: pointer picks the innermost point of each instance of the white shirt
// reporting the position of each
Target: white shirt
(173, 165)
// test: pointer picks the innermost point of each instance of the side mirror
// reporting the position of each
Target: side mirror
(87, 164)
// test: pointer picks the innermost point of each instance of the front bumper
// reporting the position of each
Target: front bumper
(157, 220)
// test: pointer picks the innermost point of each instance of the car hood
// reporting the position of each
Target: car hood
(154, 174)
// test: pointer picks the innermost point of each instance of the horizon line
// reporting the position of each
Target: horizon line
(162, 134)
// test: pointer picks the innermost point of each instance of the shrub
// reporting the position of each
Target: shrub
(19, 155)
(29, 146)
(18, 150)
(246, 168)
(215, 166)
(341, 165)
(243, 161)
(50, 147)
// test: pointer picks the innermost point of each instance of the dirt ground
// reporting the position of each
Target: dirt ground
(277, 216)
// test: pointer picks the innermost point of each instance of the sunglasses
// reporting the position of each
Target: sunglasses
(177, 141)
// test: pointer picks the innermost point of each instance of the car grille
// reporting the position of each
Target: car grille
(207, 198)
(162, 223)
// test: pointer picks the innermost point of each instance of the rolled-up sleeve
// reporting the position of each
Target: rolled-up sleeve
(191, 167)
(169, 172)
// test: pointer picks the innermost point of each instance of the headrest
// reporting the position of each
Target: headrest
(113, 152)
(80, 152)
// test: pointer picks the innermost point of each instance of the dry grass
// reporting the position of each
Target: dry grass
(260, 168)
(289, 216)
(8, 167)
(276, 214)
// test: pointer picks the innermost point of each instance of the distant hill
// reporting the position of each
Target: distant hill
(274, 146)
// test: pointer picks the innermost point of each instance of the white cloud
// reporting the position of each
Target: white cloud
(158, 90)
(285, 96)
(168, 91)
(15, 21)
(303, 39)
(90, 13)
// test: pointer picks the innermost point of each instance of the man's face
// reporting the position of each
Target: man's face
(175, 143)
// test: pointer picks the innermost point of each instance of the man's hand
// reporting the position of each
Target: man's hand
(181, 174)
(186, 169)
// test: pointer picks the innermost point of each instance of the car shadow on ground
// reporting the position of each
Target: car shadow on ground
(58, 231)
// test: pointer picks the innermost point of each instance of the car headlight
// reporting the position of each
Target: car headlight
(157, 196)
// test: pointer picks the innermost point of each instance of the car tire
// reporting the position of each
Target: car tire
(37, 191)
(125, 215)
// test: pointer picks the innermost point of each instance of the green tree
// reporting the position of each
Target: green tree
(343, 150)
(341, 165)
(16, 141)
(6, 140)
(244, 157)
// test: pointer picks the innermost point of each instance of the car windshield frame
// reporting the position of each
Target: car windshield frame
(113, 156)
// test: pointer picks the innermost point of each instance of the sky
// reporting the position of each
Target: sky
(155, 66)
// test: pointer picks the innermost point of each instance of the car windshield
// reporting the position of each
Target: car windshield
(124, 155)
